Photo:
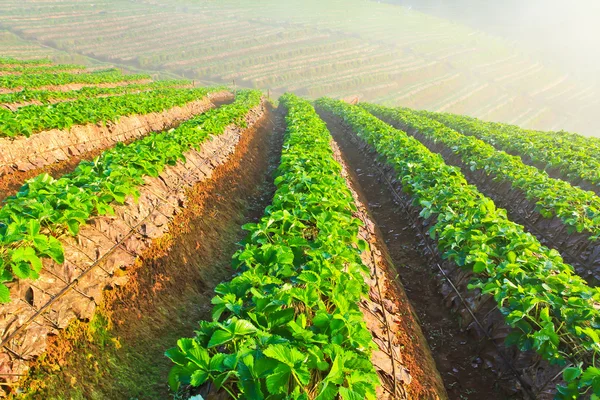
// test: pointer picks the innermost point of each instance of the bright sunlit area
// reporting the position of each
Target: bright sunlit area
(299, 200)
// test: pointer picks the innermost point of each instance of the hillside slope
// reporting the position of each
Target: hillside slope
(380, 52)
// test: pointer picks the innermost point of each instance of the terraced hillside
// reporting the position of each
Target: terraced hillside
(380, 52)
(14, 46)
(161, 239)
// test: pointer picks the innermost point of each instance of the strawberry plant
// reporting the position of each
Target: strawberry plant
(47, 96)
(37, 69)
(551, 310)
(577, 157)
(35, 118)
(46, 208)
(45, 79)
(576, 208)
(288, 326)
(14, 61)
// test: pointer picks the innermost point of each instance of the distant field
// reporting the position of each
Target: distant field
(380, 52)
(14, 46)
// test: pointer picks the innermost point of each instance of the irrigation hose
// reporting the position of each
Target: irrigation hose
(404, 207)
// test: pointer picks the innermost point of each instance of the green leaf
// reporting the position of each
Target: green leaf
(511, 257)
(363, 245)
(281, 317)
(309, 277)
(27, 254)
(348, 394)
(285, 255)
(176, 356)
(73, 226)
(242, 327)
(336, 374)
(4, 294)
(55, 250)
(33, 228)
(219, 337)
(278, 381)
(217, 362)
(479, 267)
(198, 378)
(571, 373)
(285, 354)
(173, 378)
(21, 270)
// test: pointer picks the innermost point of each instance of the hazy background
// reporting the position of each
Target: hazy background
(563, 32)
(533, 63)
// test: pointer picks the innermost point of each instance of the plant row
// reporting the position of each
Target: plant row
(578, 209)
(288, 326)
(36, 118)
(551, 309)
(38, 69)
(39, 80)
(49, 96)
(14, 61)
(46, 208)
(575, 158)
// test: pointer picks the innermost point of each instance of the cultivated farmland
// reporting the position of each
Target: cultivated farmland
(161, 238)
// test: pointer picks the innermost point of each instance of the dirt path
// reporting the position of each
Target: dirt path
(411, 372)
(119, 354)
(456, 353)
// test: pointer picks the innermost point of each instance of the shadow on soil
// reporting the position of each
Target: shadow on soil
(120, 353)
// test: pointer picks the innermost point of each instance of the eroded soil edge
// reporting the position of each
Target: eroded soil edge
(119, 353)
(403, 359)
(468, 363)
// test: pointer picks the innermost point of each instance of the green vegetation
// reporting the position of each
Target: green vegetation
(46, 208)
(551, 310)
(49, 96)
(288, 326)
(39, 80)
(23, 63)
(38, 69)
(576, 208)
(36, 118)
(576, 157)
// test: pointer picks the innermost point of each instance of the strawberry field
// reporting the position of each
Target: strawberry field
(162, 239)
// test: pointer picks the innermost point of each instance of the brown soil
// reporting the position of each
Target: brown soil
(456, 353)
(576, 248)
(170, 286)
(12, 182)
(390, 316)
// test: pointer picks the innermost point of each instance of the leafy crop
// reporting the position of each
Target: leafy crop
(46, 208)
(47, 96)
(14, 61)
(551, 310)
(576, 208)
(288, 325)
(35, 118)
(577, 158)
(39, 80)
(37, 69)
